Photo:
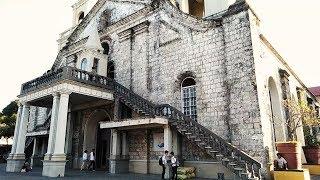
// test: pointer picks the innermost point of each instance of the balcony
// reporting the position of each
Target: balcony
(84, 86)
(67, 74)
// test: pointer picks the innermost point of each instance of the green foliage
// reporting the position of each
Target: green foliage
(311, 140)
(8, 120)
(10, 109)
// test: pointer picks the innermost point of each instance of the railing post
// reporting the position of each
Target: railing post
(65, 72)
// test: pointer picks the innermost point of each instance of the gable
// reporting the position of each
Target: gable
(116, 10)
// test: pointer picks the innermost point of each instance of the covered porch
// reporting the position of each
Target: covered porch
(62, 90)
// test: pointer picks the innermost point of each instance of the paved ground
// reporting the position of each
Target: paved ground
(75, 174)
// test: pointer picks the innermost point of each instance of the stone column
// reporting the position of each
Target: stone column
(124, 149)
(15, 163)
(34, 152)
(167, 140)
(53, 124)
(118, 163)
(55, 167)
(16, 131)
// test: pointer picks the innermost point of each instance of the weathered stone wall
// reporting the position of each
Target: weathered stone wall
(219, 58)
(140, 142)
(244, 116)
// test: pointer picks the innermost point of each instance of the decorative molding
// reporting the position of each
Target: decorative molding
(124, 35)
(67, 87)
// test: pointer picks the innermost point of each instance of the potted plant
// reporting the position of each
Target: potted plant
(298, 115)
(312, 147)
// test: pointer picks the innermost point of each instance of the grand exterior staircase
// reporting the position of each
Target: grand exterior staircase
(240, 163)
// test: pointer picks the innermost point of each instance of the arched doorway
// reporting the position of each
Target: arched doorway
(98, 139)
(276, 115)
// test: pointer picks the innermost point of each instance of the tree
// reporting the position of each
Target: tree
(8, 120)
(299, 114)
(10, 109)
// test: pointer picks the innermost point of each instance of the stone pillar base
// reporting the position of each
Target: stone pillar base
(118, 166)
(15, 162)
(36, 159)
(53, 168)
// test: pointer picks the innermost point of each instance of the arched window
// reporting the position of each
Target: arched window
(196, 8)
(84, 64)
(110, 70)
(81, 16)
(189, 97)
(106, 48)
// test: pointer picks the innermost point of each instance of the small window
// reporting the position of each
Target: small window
(95, 65)
(189, 98)
(110, 70)
(84, 64)
(106, 48)
(81, 16)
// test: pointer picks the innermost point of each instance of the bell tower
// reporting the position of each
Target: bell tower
(80, 9)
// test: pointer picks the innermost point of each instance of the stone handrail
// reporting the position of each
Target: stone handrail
(67, 73)
(225, 148)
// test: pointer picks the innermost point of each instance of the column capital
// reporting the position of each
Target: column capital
(55, 94)
(25, 104)
(65, 92)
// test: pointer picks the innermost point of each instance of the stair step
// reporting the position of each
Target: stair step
(212, 151)
(232, 164)
(238, 169)
(225, 159)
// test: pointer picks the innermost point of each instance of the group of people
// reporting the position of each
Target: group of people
(88, 161)
(170, 161)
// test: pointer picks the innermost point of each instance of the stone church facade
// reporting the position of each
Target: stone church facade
(136, 77)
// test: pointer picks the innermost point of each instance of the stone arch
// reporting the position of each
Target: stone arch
(91, 126)
(183, 76)
(276, 117)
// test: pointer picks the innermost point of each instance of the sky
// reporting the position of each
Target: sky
(30, 29)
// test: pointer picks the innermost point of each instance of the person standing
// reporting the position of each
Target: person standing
(84, 160)
(163, 162)
(92, 160)
(174, 165)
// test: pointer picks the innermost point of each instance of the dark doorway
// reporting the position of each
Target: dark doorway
(103, 149)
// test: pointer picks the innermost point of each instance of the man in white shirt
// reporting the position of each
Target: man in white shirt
(84, 160)
(174, 164)
(280, 163)
(164, 162)
(92, 160)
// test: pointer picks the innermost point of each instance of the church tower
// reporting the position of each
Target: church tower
(81, 9)
(203, 8)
